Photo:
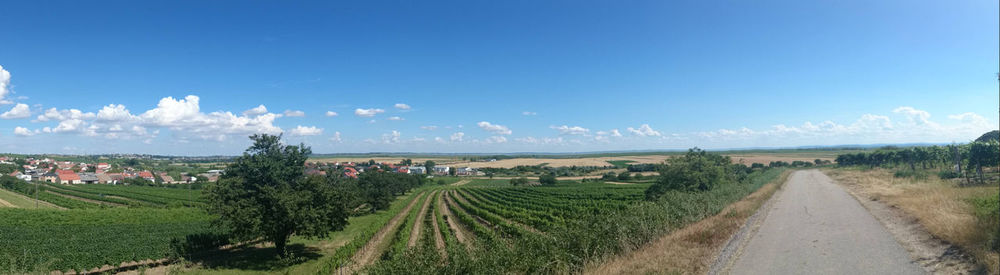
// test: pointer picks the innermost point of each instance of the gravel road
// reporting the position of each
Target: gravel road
(815, 227)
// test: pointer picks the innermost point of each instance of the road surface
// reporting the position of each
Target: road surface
(815, 227)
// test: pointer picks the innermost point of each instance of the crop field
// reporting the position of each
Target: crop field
(488, 226)
(83, 239)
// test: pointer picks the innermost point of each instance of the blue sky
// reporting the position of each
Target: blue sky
(178, 77)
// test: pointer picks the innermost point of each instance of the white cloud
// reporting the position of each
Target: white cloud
(396, 118)
(496, 139)
(615, 133)
(294, 113)
(494, 128)
(24, 132)
(367, 112)
(644, 131)
(20, 110)
(457, 136)
(336, 137)
(55, 114)
(331, 113)
(547, 140)
(527, 113)
(574, 130)
(115, 112)
(402, 106)
(429, 128)
(919, 117)
(256, 111)
(4, 86)
(439, 139)
(391, 138)
(305, 131)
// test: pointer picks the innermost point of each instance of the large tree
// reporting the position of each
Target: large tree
(265, 194)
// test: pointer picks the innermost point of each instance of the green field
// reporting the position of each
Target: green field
(21, 201)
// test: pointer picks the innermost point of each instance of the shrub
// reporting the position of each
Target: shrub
(918, 175)
(948, 174)
(548, 179)
(519, 181)
(624, 176)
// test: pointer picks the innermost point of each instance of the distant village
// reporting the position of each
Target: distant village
(352, 169)
(68, 172)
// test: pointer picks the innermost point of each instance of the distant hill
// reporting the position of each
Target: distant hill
(991, 135)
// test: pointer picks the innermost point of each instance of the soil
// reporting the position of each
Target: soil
(450, 220)
(415, 232)
(368, 254)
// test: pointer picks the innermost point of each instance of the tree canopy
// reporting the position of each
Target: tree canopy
(697, 170)
(265, 194)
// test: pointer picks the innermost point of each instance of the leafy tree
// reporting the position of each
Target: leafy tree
(638, 176)
(991, 135)
(609, 176)
(757, 165)
(547, 179)
(697, 170)
(406, 162)
(430, 166)
(519, 181)
(452, 172)
(624, 176)
(265, 195)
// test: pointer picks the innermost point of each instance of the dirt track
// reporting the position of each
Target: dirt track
(815, 227)
(419, 222)
(369, 253)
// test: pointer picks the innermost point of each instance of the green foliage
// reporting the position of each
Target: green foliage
(264, 194)
(429, 164)
(948, 174)
(580, 223)
(624, 176)
(6, 169)
(695, 171)
(988, 217)
(45, 240)
(620, 163)
(989, 136)
(519, 181)
(547, 179)
(906, 173)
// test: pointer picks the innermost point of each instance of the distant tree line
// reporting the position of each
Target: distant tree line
(959, 160)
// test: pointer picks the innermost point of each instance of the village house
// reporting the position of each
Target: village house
(88, 178)
(419, 170)
(105, 179)
(146, 175)
(50, 177)
(441, 170)
(69, 177)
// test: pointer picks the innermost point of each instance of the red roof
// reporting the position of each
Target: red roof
(69, 176)
(145, 174)
(64, 172)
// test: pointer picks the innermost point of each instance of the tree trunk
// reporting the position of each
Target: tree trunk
(280, 244)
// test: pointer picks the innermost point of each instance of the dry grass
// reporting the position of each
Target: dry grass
(689, 250)
(939, 206)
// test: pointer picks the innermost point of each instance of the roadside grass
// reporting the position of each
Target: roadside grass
(21, 201)
(691, 249)
(964, 216)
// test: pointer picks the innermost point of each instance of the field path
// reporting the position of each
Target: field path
(451, 220)
(438, 239)
(419, 222)
(460, 183)
(815, 227)
(4, 203)
(370, 252)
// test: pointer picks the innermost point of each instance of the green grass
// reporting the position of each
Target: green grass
(620, 163)
(489, 182)
(21, 201)
(326, 247)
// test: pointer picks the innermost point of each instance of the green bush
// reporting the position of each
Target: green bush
(989, 218)
(948, 174)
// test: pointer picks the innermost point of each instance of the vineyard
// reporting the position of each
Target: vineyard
(494, 228)
(82, 239)
(90, 196)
